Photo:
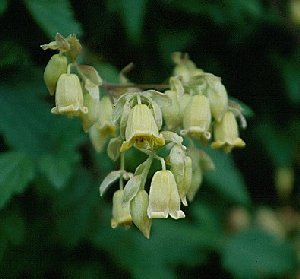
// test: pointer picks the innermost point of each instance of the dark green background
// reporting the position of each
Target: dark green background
(53, 224)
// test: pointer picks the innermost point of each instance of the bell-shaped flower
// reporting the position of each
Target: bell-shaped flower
(56, 66)
(90, 118)
(138, 211)
(164, 199)
(217, 96)
(197, 118)
(104, 128)
(181, 167)
(226, 133)
(121, 211)
(171, 109)
(69, 96)
(141, 129)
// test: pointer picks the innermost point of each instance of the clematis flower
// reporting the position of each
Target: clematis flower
(69, 96)
(164, 199)
(197, 118)
(56, 66)
(121, 211)
(226, 133)
(141, 130)
(104, 128)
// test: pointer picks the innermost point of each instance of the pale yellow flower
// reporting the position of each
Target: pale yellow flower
(164, 199)
(121, 211)
(69, 96)
(226, 133)
(197, 118)
(141, 130)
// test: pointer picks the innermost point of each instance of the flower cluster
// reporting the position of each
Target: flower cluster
(195, 108)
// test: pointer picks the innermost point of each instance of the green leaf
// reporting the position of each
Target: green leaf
(54, 16)
(254, 253)
(133, 13)
(73, 207)
(278, 143)
(12, 230)
(16, 171)
(289, 70)
(3, 6)
(226, 179)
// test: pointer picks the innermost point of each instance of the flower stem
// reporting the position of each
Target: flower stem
(122, 167)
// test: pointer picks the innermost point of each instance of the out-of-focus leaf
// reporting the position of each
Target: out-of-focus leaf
(16, 171)
(12, 230)
(29, 127)
(54, 16)
(108, 72)
(256, 254)
(170, 244)
(3, 6)
(290, 69)
(73, 207)
(278, 143)
(133, 12)
(226, 178)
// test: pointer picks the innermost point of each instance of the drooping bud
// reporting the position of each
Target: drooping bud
(171, 111)
(89, 119)
(226, 133)
(138, 211)
(163, 196)
(141, 129)
(121, 211)
(56, 66)
(104, 128)
(181, 167)
(197, 173)
(197, 118)
(69, 96)
(217, 96)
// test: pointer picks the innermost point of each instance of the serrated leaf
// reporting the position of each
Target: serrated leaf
(253, 253)
(113, 148)
(133, 12)
(132, 187)
(54, 16)
(108, 181)
(16, 171)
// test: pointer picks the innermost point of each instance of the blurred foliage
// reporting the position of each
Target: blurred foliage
(53, 222)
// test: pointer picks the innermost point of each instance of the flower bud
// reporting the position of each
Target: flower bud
(217, 96)
(89, 119)
(69, 96)
(138, 211)
(163, 196)
(56, 66)
(226, 133)
(121, 211)
(141, 129)
(171, 111)
(181, 167)
(197, 118)
(104, 128)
